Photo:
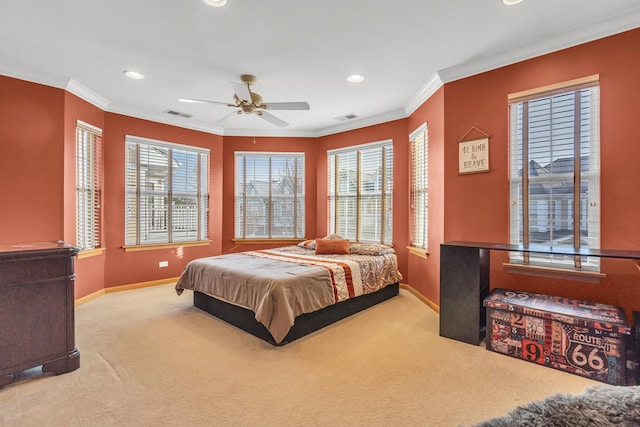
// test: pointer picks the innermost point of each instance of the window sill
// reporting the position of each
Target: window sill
(165, 246)
(555, 273)
(88, 253)
(267, 241)
(422, 253)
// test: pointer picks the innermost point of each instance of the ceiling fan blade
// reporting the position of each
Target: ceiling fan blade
(201, 101)
(226, 116)
(285, 105)
(242, 91)
(273, 119)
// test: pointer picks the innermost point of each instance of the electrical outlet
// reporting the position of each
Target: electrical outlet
(163, 264)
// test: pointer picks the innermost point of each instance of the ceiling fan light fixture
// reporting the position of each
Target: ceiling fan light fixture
(215, 3)
(511, 2)
(355, 78)
(136, 75)
(245, 101)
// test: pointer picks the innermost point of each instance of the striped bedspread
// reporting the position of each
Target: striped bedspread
(280, 284)
(345, 274)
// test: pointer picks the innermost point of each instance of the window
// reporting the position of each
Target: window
(360, 190)
(419, 187)
(555, 172)
(88, 186)
(269, 195)
(167, 192)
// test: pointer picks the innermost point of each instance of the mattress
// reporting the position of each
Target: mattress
(280, 284)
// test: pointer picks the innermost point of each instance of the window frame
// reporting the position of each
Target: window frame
(201, 196)
(419, 188)
(298, 196)
(518, 145)
(359, 196)
(88, 186)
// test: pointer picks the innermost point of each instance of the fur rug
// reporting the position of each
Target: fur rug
(597, 406)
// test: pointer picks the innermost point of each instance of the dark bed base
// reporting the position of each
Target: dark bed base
(304, 324)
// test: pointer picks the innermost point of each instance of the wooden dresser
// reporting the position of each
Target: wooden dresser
(37, 308)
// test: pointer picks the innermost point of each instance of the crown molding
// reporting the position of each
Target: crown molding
(27, 74)
(362, 123)
(301, 133)
(87, 94)
(329, 130)
(165, 119)
(573, 37)
(21, 72)
(425, 93)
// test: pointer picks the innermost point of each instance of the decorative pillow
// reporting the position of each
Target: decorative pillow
(370, 249)
(308, 244)
(333, 237)
(332, 246)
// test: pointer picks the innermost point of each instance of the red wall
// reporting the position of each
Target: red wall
(89, 271)
(31, 162)
(396, 131)
(134, 267)
(37, 181)
(476, 206)
(266, 144)
(424, 274)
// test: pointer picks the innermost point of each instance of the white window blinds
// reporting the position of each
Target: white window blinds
(419, 187)
(360, 184)
(88, 186)
(269, 195)
(555, 172)
(167, 192)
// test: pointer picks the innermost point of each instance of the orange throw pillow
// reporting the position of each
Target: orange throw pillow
(332, 246)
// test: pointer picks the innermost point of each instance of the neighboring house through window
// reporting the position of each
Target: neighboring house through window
(88, 186)
(555, 172)
(167, 192)
(360, 192)
(419, 187)
(269, 195)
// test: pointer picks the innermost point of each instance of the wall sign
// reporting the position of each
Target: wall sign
(473, 156)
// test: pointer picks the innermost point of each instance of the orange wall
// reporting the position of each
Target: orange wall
(89, 271)
(396, 131)
(424, 274)
(31, 162)
(476, 206)
(134, 267)
(37, 136)
(266, 144)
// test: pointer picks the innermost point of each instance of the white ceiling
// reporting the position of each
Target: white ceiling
(300, 50)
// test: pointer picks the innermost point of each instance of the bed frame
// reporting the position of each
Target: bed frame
(304, 324)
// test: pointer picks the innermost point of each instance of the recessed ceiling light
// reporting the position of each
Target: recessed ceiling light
(511, 2)
(215, 3)
(355, 78)
(133, 74)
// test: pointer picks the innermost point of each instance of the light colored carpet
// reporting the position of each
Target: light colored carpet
(149, 358)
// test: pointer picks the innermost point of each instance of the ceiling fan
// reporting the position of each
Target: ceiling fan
(249, 102)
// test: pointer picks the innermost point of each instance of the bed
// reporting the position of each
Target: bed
(282, 294)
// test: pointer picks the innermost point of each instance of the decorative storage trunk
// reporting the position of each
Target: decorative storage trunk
(583, 338)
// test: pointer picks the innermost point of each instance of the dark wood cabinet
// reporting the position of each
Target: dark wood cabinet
(37, 308)
(464, 284)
